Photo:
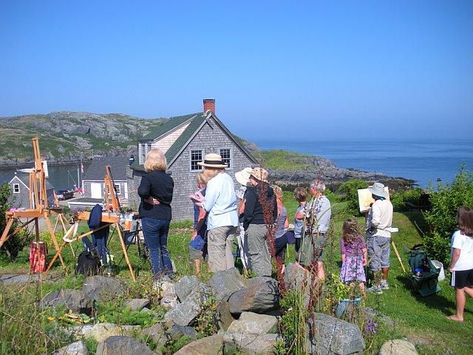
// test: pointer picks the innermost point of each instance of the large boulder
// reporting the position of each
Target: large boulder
(398, 346)
(225, 317)
(137, 304)
(260, 296)
(77, 348)
(122, 345)
(224, 283)
(101, 288)
(75, 300)
(244, 343)
(206, 346)
(253, 323)
(157, 333)
(184, 313)
(185, 286)
(333, 336)
(102, 331)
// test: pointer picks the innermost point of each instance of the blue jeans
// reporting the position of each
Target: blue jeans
(156, 238)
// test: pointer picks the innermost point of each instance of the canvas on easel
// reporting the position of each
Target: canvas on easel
(365, 199)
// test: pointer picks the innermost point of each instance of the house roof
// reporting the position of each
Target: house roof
(25, 179)
(196, 121)
(96, 169)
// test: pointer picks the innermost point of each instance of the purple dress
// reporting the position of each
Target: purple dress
(352, 268)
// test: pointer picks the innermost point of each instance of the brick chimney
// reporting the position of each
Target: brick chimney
(209, 105)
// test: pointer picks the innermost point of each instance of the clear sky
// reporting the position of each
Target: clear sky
(277, 69)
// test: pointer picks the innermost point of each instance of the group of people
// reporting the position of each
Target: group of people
(255, 216)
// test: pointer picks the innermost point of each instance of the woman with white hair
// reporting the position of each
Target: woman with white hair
(156, 190)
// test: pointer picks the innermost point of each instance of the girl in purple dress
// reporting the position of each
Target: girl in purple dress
(354, 254)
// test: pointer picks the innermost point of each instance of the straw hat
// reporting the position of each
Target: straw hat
(243, 176)
(378, 189)
(212, 160)
(260, 174)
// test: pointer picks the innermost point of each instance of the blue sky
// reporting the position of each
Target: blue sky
(277, 69)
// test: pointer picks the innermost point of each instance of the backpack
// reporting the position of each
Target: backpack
(88, 264)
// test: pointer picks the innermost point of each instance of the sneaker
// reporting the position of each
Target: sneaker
(377, 290)
(384, 285)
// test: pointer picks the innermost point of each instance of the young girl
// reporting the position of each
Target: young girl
(461, 264)
(300, 194)
(354, 254)
(198, 243)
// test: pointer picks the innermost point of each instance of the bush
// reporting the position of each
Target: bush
(349, 193)
(441, 219)
(402, 199)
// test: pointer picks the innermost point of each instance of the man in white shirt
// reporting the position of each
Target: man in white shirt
(222, 221)
(379, 221)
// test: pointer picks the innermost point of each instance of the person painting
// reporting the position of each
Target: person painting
(354, 255)
(221, 205)
(317, 214)
(260, 211)
(379, 222)
(156, 190)
(461, 264)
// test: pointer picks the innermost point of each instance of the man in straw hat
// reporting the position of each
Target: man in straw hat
(379, 221)
(259, 198)
(220, 204)
(317, 214)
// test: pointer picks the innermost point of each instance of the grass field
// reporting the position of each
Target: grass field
(420, 320)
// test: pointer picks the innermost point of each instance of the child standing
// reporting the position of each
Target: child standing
(198, 243)
(300, 194)
(354, 254)
(461, 265)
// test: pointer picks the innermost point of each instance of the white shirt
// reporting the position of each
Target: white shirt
(381, 217)
(220, 202)
(465, 244)
(323, 211)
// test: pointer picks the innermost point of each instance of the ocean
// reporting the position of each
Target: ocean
(426, 161)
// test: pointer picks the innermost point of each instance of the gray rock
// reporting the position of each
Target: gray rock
(11, 279)
(137, 304)
(243, 343)
(206, 346)
(333, 336)
(224, 283)
(184, 313)
(122, 345)
(185, 286)
(253, 323)
(225, 317)
(157, 334)
(177, 331)
(77, 348)
(101, 288)
(102, 331)
(168, 294)
(398, 346)
(261, 295)
(75, 300)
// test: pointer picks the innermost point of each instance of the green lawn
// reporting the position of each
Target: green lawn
(420, 320)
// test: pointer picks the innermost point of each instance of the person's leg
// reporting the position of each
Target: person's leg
(297, 244)
(385, 245)
(230, 233)
(258, 252)
(197, 267)
(216, 248)
(320, 270)
(374, 257)
(461, 300)
(163, 231)
(149, 226)
(469, 291)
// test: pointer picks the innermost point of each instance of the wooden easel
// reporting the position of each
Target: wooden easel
(111, 215)
(38, 204)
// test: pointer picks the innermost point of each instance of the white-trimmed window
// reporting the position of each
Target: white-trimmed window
(16, 188)
(226, 155)
(196, 157)
(117, 189)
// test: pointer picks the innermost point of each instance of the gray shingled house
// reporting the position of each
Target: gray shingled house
(93, 183)
(20, 191)
(185, 140)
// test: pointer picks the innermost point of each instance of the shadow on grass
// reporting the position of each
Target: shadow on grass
(435, 300)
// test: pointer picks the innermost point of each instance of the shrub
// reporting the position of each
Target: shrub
(349, 193)
(441, 219)
(402, 199)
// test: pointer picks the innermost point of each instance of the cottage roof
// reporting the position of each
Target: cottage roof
(195, 122)
(96, 169)
(25, 179)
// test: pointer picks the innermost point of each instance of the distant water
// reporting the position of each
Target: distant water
(424, 161)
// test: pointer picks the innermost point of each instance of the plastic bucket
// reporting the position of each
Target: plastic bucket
(439, 265)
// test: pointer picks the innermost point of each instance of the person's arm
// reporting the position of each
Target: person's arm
(365, 256)
(342, 250)
(376, 215)
(455, 256)
(211, 195)
(145, 187)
